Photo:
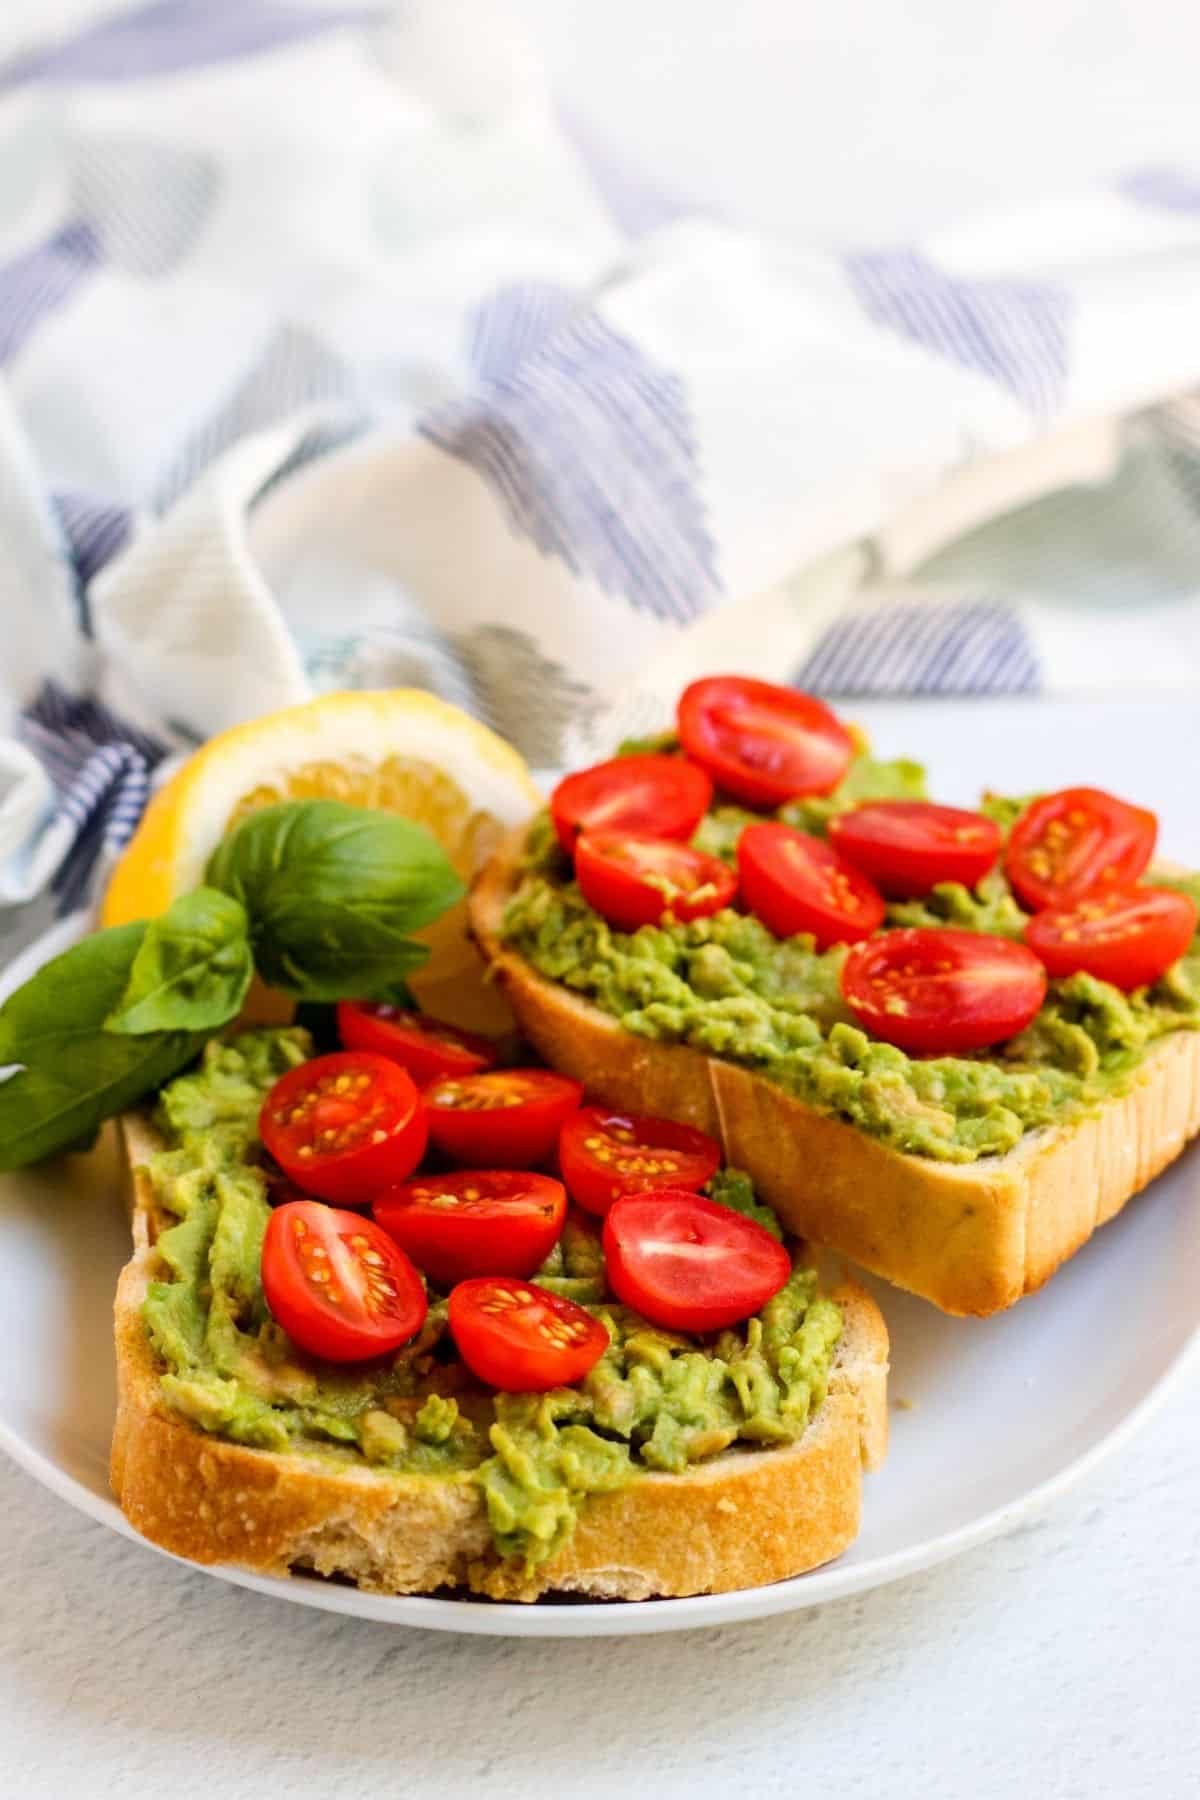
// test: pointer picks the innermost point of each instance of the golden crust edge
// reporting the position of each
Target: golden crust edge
(972, 1238)
(738, 1521)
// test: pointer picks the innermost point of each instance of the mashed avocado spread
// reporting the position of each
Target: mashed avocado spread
(726, 985)
(655, 1400)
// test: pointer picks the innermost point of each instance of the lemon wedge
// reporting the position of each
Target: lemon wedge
(400, 749)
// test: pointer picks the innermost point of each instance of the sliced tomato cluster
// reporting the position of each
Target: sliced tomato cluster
(353, 1126)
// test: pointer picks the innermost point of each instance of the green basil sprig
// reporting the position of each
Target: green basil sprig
(73, 1074)
(320, 897)
(333, 893)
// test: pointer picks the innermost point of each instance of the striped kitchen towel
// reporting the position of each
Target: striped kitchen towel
(332, 354)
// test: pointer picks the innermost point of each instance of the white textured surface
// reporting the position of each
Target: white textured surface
(1061, 1661)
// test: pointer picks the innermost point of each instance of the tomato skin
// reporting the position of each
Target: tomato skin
(650, 796)
(379, 1098)
(940, 990)
(761, 743)
(603, 1154)
(427, 1048)
(906, 847)
(312, 1251)
(793, 883)
(1070, 842)
(522, 1338)
(1129, 938)
(493, 1222)
(500, 1118)
(612, 870)
(687, 1263)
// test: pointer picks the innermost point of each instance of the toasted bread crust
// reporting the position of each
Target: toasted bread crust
(742, 1519)
(970, 1237)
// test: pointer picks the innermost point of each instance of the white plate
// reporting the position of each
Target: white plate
(1002, 1414)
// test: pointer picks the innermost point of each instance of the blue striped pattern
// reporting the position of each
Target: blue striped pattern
(39, 281)
(100, 766)
(1014, 332)
(1169, 190)
(589, 447)
(166, 36)
(95, 530)
(146, 201)
(970, 647)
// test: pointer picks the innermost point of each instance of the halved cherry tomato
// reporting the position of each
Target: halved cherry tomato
(603, 1154)
(943, 990)
(1129, 938)
(427, 1048)
(344, 1126)
(522, 1338)
(685, 1262)
(761, 743)
(634, 881)
(1068, 843)
(653, 796)
(337, 1284)
(794, 882)
(908, 846)
(485, 1222)
(501, 1119)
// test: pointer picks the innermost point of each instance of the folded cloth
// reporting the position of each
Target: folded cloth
(331, 357)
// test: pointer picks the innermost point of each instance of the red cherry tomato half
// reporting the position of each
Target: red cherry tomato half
(943, 990)
(521, 1338)
(501, 1119)
(685, 1262)
(604, 1154)
(908, 846)
(427, 1048)
(634, 881)
(1068, 843)
(485, 1222)
(344, 1126)
(794, 882)
(763, 744)
(1129, 938)
(652, 796)
(337, 1284)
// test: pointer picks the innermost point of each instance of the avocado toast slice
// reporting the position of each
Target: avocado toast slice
(409, 1477)
(973, 1235)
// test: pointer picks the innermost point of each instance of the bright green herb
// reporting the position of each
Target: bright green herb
(191, 970)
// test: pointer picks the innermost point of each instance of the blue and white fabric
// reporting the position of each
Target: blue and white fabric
(333, 354)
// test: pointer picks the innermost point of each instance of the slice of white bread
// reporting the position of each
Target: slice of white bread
(739, 1520)
(971, 1237)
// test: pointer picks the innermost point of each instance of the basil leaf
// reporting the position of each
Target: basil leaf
(332, 893)
(73, 1073)
(192, 968)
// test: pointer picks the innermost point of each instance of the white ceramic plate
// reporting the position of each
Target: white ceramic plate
(993, 1417)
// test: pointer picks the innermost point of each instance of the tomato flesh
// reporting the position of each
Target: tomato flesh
(487, 1222)
(1129, 938)
(652, 796)
(427, 1048)
(344, 1126)
(761, 743)
(793, 883)
(633, 881)
(337, 1284)
(1068, 843)
(907, 846)
(522, 1338)
(686, 1263)
(603, 1154)
(501, 1118)
(943, 991)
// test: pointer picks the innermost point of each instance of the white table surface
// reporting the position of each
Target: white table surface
(1063, 1660)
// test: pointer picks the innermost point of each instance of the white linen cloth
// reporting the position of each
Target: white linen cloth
(331, 356)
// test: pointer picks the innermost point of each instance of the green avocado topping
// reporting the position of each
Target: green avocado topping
(727, 986)
(655, 1400)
